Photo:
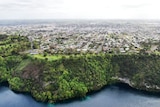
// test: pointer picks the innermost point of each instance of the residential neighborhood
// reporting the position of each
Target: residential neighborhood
(91, 36)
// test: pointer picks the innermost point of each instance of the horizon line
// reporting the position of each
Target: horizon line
(83, 19)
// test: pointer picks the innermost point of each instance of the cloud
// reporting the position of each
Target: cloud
(29, 4)
(135, 6)
(28, 9)
(101, 9)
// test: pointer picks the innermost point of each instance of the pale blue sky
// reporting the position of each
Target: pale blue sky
(79, 9)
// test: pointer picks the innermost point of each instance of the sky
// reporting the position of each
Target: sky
(79, 9)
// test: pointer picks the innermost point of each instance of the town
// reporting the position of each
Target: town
(119, 36)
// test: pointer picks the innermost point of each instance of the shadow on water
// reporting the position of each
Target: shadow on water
(4, 84)
(107, 93)
(127, 88)
(73, 100)
(122, 87)
(9, 98)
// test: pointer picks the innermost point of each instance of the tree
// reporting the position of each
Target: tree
(16, 83)
(45, 54)
(78, 88)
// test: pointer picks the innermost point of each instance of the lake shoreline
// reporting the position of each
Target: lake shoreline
(122, 85)
(109, 91)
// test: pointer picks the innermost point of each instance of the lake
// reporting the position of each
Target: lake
(119, 95)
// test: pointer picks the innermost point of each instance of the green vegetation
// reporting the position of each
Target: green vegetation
(13, 45)
(16, 83)
(48, 57)
(143, 70)
(68, 77)
(59, 77)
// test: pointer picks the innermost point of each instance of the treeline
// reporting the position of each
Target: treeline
(12, 45)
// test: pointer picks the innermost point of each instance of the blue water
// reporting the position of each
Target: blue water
(111, 96)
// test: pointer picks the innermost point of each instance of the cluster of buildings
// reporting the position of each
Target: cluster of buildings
(91, 36)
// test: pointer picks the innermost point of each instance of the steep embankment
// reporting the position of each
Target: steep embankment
(139, 71)
(74, 76)
(61, 79)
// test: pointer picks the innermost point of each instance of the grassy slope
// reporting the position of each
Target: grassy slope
(49, 57)
(22, 65)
